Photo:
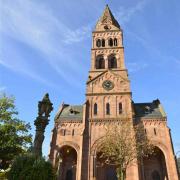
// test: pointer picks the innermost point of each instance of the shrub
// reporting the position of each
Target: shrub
(3, 175)
(31, 167)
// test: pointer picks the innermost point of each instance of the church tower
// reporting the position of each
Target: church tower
(108, 87)
(78, 129)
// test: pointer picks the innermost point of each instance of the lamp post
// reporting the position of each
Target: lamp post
(44, 109)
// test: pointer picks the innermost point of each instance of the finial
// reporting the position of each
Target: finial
(46, 97)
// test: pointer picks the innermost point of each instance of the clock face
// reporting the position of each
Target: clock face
(108, 85)
(106, 27)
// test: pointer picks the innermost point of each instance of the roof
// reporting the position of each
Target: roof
(71, 113)
(149, 110)
(108, 18)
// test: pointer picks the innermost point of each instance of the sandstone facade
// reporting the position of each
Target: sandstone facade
(78, 128)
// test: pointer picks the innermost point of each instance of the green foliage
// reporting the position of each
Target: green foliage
(14, 133)
(31, 167)
(122, 144)
(4, 173)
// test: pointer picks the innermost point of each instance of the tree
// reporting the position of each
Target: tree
(31, 167)
(123, 144)
(14, 133)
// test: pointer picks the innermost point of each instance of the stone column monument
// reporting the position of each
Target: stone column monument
(44, 109)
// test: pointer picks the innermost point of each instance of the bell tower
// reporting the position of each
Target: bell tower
(108, 87)
(107, 39)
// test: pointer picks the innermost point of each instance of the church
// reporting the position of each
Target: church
(78, 128)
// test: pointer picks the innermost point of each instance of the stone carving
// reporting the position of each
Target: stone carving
(44, 109)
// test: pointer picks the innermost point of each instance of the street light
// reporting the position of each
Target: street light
(44, 109)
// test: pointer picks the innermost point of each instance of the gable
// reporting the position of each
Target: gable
(120, 83)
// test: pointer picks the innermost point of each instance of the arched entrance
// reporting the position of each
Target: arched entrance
(154, 166)
(68, 163)
(104, 171)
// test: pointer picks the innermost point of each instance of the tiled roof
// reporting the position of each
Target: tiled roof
(149, 110)
(72, 112)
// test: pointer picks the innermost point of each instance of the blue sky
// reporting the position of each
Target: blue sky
(45, 47)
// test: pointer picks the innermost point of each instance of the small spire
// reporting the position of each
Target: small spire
(107, 18)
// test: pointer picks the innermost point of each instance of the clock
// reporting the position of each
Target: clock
(108, 85)
(106, 27)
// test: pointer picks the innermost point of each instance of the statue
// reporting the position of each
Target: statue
(44, 109)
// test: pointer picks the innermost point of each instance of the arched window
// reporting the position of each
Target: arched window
(103, 43)
(145, 131)
(120, 108)
(155, 175)
(112, 62)
(115, 42)
(98, 43)
(100, 63)
(62, 132)
(110, 42)
(155, 133)
(107, 108)
(95, 109)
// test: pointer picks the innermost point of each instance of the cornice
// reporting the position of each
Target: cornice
(69, 121)
(107, 48)
(107, 31)
(113, 69)
(103, 120)
(153, 119)
(108, 93)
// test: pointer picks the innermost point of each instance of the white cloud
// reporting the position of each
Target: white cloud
(26, 72)
(77, 35)
(124, 14)
(34, 24)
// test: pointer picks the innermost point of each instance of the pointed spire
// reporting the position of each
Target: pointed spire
(106, 19)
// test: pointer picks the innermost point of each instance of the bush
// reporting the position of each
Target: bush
(3, 175)
(31, 167)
